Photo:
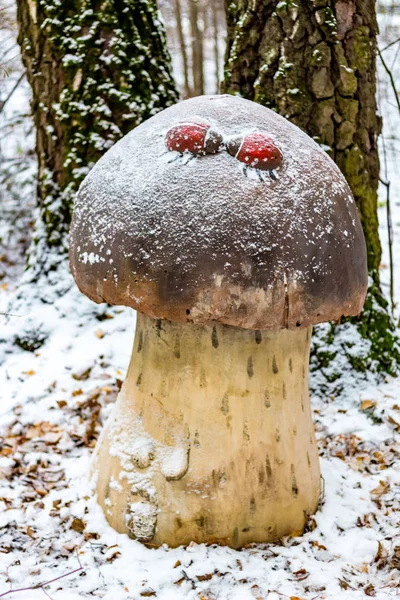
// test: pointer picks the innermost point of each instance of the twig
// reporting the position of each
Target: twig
(389, 72)
(391, 44)
(44, 583)
(390, 238)
(4, 102)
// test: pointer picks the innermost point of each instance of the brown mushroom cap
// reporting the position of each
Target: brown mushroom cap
(202, 242)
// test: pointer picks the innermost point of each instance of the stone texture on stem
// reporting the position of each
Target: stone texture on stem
(212, 438)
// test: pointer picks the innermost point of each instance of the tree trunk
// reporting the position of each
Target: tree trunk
(182, 45)
(197, 49)
(97, 69)
(216, 33)
(314, 62)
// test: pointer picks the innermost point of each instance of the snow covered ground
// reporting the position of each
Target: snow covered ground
(62, 361)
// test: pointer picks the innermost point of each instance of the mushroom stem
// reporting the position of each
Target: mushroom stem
(211, 439)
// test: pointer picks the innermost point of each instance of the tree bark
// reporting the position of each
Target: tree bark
(97, 69)
(182, 45)
(314, 62)
(216, 32)
(197, 49)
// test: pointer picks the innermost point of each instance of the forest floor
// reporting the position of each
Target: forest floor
(63, 360)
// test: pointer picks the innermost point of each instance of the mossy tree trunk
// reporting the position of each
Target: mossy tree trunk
(314, 62)
(97, 69)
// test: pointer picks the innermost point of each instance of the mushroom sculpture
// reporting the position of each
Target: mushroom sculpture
(211, 438)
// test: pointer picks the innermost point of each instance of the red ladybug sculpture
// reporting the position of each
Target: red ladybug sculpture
(256, 150)
(195, 138)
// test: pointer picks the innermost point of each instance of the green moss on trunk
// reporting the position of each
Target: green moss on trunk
(97, 69)
(314, 62)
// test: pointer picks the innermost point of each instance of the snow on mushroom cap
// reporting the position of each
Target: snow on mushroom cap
(199, 241)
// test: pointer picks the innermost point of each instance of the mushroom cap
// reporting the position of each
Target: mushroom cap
(193, 238)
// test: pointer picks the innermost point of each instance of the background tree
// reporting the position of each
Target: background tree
(196, 37)
(97, 69)
(314, 62)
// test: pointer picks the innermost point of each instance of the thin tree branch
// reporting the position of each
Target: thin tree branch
(390, 239)
(18, 82)
(389, 72)
(391, 44)
(44, 583)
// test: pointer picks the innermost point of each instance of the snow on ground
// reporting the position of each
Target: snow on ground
(62, 361)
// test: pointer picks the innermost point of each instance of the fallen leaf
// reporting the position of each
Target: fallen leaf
(316, 544)
(365, 404)
(82, 375)
(77, 525)
(301, 574)
(31, 532)
(113, 556)
(99, 334)
(205, 577)
(369, 590)
(394, 422)
(381, 490)
(343, 584)
(6, 451)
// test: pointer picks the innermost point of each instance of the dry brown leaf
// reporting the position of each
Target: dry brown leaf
(343, 584)
(394, 422)
(366, 404)
(82, 375)
(369, 590)
(99, 334)
(301, 574)
(205, 577)
(31, 532)
(6, 451)
(381, 490)
(316, 544)
(78, 525)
